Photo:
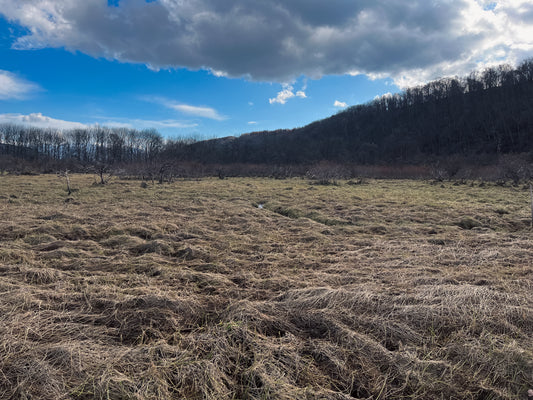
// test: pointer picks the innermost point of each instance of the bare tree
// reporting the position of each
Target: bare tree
(104, 172)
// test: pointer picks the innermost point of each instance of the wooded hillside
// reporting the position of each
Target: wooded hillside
(479, 117)
(488, 113)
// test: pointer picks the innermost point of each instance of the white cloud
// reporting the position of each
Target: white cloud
(40, 121)
(387, 95)
(252, 122)
(203, 112)
(196, 111)
(145, 123)
(410, 41)
(287, 93)
(340, 104)
(13, 87)
(169, 123)
(282, 96)
(218, 74)
(117, 124)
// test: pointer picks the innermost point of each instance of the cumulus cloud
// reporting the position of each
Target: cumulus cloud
(287, 93)
(278, 40)
(282, 96)
(40, 121)
(13, 87)
(340, 104)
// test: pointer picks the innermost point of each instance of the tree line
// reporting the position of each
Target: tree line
(85, 145)
(481, 116)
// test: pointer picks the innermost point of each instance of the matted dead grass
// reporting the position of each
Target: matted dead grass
(258, 289)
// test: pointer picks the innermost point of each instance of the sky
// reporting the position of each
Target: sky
(212, 68)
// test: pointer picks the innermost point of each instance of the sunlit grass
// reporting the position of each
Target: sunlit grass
(385, 289)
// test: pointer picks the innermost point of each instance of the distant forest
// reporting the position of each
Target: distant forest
(478, 118)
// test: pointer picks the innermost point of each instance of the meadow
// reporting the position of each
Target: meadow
(248, 288)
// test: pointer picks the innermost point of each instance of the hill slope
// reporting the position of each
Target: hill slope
(479, 117)
(484, 114)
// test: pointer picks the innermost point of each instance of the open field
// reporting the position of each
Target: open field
(264, 289)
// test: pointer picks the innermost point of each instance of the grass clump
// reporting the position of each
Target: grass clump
(468, 223)
(287, 212)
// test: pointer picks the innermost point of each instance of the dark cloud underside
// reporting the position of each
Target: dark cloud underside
(276, 40)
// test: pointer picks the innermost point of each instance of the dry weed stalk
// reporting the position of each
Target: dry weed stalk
(531, 197)
(65, 175)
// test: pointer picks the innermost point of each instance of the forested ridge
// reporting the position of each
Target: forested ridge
(481, 116)
(487, 113)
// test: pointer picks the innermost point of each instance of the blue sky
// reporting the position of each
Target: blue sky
(203, 68)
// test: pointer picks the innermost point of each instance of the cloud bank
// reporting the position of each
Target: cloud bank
(279, 40)
(13, 87)
(40, 121)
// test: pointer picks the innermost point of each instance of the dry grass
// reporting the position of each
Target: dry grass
(385, 290)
